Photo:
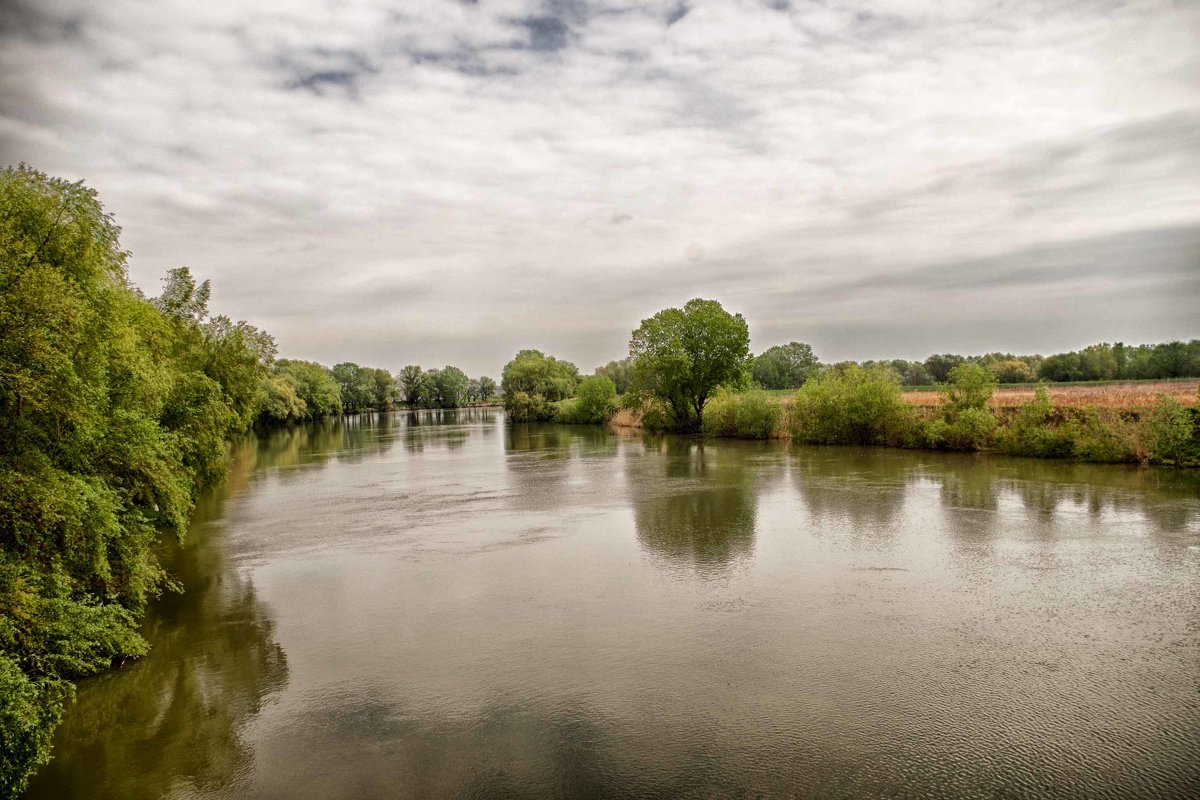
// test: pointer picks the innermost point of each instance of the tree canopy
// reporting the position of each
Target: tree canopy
(785, 366)
(681, 356)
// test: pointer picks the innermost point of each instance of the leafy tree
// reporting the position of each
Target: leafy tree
(970, 387)
(785, 366)
(384, 390)
(681, 356)
(356, 385)
(414, 386)
(939, 366)
(1013, 371)
(618, 372)
(596, 399)
(541, 380)
(449, 386)
(315, 385)
(487, 388)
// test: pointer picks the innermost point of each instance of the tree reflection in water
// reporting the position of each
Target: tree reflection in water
(171, 723)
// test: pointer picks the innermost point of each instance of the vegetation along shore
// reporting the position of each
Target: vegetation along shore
(118, 409)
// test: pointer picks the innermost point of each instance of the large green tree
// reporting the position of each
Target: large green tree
(681, 356)
(785, 366)
(533, 380)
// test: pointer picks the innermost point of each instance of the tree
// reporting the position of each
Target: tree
(785, 366)
(384, 390)
(315, 385)
(939, 366)
(414, 386)
(487, 388)
(1013, 371)
(540, 380)
(450, 387)
(618, 373)
(681, 356)
(596, 399)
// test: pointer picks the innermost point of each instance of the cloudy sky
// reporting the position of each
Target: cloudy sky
(436, 181)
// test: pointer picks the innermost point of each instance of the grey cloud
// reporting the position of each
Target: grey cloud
(916, 178)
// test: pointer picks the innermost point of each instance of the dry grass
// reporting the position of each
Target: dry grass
(1142, 394)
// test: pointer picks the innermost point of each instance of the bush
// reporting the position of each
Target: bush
(597, 399)
(852, 405)
(1172, 433)
(1032, 433)
(970, 387)
(526, 407)
(746, 415)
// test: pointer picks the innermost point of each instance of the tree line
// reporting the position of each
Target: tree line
(299, 391)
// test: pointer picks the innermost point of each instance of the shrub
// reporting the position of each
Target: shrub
(597, 399)
(970, 387)
(526, 407)
(852, 405)
(971, 429)
(1172, 433)
(1031, 433)
(746, 415)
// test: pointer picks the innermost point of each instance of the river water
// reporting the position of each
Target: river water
(441, 605)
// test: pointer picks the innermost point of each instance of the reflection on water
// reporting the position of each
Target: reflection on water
(693, 504)
(435, 604)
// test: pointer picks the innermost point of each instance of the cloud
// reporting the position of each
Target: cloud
(392, 182)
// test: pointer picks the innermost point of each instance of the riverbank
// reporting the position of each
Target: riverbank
(1134, 426)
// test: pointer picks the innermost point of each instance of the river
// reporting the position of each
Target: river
(436, 604)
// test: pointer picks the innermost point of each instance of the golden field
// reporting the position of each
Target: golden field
(1136, 394)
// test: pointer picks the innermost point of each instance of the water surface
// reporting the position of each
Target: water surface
(439, 605)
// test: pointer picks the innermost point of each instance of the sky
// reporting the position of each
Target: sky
(443, 182)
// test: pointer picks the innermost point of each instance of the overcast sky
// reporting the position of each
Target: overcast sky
(447, 182)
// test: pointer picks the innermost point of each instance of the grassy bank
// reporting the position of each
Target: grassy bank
(859, 406)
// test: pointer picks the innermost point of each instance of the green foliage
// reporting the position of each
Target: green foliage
(414, 386)
(1012, 370)
(30, 709)
(595, 401)
(314, 385)
(785, 366)
(970, 387)
(619, 372)
(1033, 433)
(852, 405)
(532, 381)
(114, 411)
(744, 415)
(1174, 434)
(487, 388)
(526, 407)
(450, 386)
(938, 366)
(681, 356)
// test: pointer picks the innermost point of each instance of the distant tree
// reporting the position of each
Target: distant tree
(540, 380)
(474, 391)
(1176, 359)
(939, 366)
(384, 390)
(1062, 367)
(487, 388)
(618, 372)
(1013, 371)
(315, 385)
(357, 386)
(450, 386)
(681, 356)
(414, 386)
(785, 366)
